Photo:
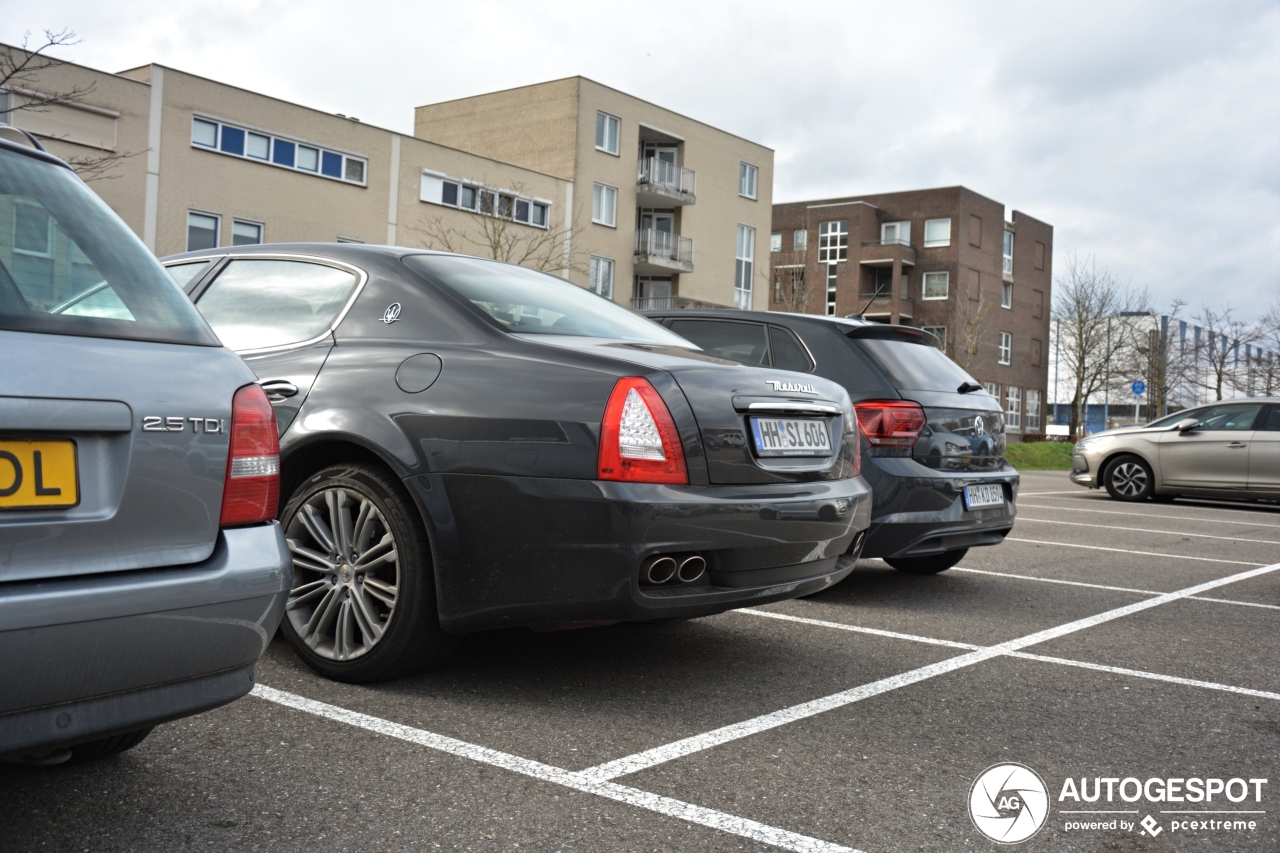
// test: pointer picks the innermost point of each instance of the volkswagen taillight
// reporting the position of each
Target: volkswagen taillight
(251, 488)
(890, 423)
(639, 442)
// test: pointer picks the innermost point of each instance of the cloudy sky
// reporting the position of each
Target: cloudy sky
(1146, 131)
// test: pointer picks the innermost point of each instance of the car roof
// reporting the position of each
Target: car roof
(781, 318)
(339, 251)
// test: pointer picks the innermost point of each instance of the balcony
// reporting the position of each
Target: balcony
(666, 303)
(660, 253)
(663, 184)
(883, 253)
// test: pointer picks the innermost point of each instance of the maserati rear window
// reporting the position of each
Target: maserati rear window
(525, 301)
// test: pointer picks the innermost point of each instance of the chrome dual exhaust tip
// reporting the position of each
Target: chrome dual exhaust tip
(691, 568)
(660, 570)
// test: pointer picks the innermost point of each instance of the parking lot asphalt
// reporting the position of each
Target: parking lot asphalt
(1102, 640)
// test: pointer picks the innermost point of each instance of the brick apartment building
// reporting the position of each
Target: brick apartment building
(588, 182)
(945, 259)
(675, 211)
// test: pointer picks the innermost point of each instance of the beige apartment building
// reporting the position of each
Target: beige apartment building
(667, 210)
(202, 164)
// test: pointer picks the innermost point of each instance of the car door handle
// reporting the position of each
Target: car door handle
(1236, 445)
(279, 389)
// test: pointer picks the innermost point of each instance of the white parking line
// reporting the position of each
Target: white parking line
(1111, 588)
(1131, 551)
(1115, 670)
(736, 731)
(544, 772)
(1069, 492)
(1151, 515)
(1023, 518)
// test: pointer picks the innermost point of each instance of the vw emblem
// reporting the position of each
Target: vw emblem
(977, 424)
(391, 314)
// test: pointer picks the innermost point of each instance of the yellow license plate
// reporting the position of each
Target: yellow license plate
(38, 474)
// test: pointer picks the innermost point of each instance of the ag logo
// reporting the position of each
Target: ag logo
(391, 314)
(1008, 803)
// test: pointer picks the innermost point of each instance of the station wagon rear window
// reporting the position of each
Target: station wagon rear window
(69, 266)
(529, 302)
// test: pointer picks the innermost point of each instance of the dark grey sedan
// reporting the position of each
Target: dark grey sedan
(141, 571)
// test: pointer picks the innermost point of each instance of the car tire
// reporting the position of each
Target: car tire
(1129, 478)
(106, 747)
(930, 565)
(362, 607)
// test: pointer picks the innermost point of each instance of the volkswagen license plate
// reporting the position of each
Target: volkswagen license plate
(38, 474)
(981, 497)
(790, 437)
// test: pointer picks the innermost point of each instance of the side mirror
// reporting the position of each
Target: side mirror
(1187, 424)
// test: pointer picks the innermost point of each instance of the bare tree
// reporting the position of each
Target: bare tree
(791, 277)
(969, 316)
(23, 75)
(1087, 296)
(492, 231)
(1263, 367)
(1221, 348)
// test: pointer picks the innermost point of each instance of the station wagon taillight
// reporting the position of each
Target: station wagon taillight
(639, 442)
(890, 423)
(251, 488)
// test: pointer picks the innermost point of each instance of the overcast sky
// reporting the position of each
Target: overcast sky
(1147, 132)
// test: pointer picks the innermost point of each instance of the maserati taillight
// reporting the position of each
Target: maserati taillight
(639, 442)
(890, 423)
(251, 487)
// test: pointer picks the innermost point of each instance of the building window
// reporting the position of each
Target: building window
(747, 180)
(833, 241)
(937, 232)
(602, 276)
(1008, 254)
(204, 133)
(831, 289)
(745, 267)
(992, 388)
(246, 233)
(896, 233)
(937, 285)
(1013, 407)
(1035, 352)
(1033, 410)
(975, 230)
(1006, 348)
(799, 239)
(1006, 294)
(608, 129)
(287, 154)
(775, 241)
(939, 332)
(604, 205)
(202, 231)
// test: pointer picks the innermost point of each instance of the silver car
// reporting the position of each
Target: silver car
(141, 571)
(1229, 449)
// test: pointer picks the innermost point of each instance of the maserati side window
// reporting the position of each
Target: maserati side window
(256, 304)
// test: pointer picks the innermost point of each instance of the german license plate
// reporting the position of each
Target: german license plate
(981, 497)
(38, 474)
(790, 437)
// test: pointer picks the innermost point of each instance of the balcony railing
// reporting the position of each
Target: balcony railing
(894, 242)
(661, 173)
(666, 303)
(660, 245)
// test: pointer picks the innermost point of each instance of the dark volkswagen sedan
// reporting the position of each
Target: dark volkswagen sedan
(935, 440)
(467, 445)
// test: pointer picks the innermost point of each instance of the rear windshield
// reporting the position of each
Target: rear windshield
(534, 303)
(69, 266)
(915, 366)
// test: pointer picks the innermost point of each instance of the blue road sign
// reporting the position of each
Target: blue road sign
(1138, 388)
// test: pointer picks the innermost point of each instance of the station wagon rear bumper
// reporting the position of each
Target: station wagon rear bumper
(88, 657)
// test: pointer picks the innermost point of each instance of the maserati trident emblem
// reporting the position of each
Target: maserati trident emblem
(391, 314)
(793, 387)
(978, 426)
